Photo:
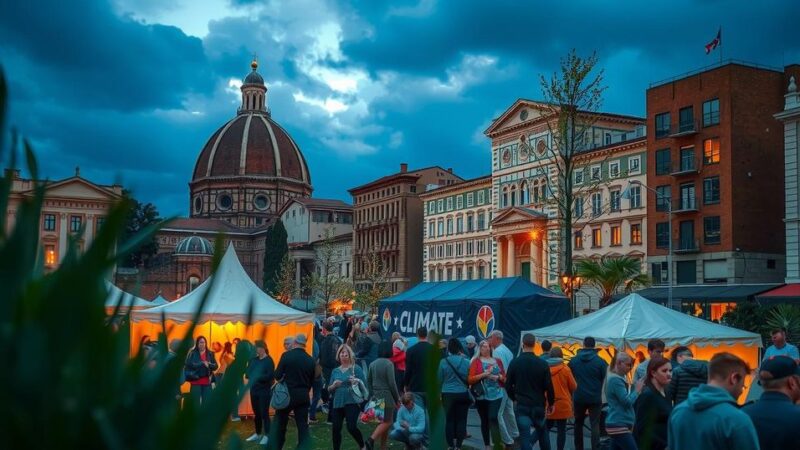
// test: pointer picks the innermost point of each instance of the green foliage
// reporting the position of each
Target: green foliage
(612, 275)
(762, 319)
(139, 216)
(285, 288)
(68, 378)
(276, 247)
(786, 317)
(326, 283)
(374, 282)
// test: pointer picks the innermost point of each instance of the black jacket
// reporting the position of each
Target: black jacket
(416, 357)
(369, 347)
(589, 371)
(194, 363)
(296, 368)
(327, 351)
(776, 419)
(652, 417)
(261, 373)
(528, 381)
(685, 377)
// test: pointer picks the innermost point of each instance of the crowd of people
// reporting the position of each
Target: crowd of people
(666, 403)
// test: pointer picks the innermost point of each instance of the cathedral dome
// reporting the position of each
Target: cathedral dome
(194, 245)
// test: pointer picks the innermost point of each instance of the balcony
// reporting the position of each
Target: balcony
(685, 205)
(684, 129)
(685, 245)
(685, 167)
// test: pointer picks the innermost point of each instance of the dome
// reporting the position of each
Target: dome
(194, 245)
(254, 78)
(252, 144)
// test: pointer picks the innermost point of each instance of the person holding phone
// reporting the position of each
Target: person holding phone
(345, 406)
(487, 371)
(200, 364)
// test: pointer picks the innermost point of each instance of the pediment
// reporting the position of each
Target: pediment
(520, 112)
(515, 215)
(78, 188)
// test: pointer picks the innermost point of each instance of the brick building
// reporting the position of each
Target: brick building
(458, 241)
(715, 159)
(388, 222)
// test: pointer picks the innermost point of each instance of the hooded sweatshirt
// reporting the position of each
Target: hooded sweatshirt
(710, 419)
(563, 386)
(589, 371)
(685, 377)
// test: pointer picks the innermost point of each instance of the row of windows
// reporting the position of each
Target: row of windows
(712, 234)
(383, 193)
(522, 195)
(598, 207)
(384, 236)
(686, 122)
(459, 249)
(595, 171)
(460, 273)
(469, 199)
(379, 212)
(75, 223)
(687, 199)
(687, 157)
(615, 236)
(331, 217)
(389, 262)
(463, 224)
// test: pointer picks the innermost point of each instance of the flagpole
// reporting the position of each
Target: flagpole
(720, 44)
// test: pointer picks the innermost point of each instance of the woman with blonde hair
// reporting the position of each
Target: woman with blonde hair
(345, 405)
(487, 372)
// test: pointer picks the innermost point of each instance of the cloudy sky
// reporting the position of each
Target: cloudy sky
(130, 90)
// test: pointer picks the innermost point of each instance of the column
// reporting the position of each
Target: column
(88, 235)
(62, 238)
(501, 265)
(511, 259)
(535, 265)
(297, 274)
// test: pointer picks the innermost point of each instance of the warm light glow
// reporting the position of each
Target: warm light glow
(534, 235)
(50, 257)
(340, 305)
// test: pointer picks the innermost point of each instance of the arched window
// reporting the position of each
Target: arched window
(513, 195)
(536, 198)
(504, 201)
(523, 193)
(192, 283)
(543, 189)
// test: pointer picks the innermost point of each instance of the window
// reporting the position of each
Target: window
(662, 235)
(459, 273)
(470, 273)
(688, 199)
(597, 204)
(613, 169)
(412, 188)
(636, 233)
(578, 207)
(597, 237)
(579, 176)
(687, 159)
(431, 274)
(449, 226)
(662, 125)
(523, 193)
(634, 164)
(663, 198)
(75, 223)
(440, 205)
(449, 273)
(711, 112)
(459, 225)
(481, 247)
(459, 202)
(449, 203)
(711, 230)
(460, 249)
(100, 221)
(441, 228)
(431, 207)
(470, 248)
(470, 200)
(470, 223)
(616, 235)
(49, 255)
(440, 275)
(504, 198)
(660, 272)
(711, 190)
(711, 151)
(481, 197)
(686, 119)
(448, 250)
(636, 196)
(481, 272)
(431, 228)
(615, 201)
(608, 139)
(596, 173)
(578, 240)
(481, 221)
(49, 222)
(663, 162)
(440, 253)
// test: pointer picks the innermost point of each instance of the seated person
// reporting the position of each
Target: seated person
(409, 427)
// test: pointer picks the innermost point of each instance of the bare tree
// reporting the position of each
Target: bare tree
(326, 283)
(285, 287)
(374, 277)
(572, 98)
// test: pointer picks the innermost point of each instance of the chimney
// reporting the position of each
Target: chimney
(403, 167)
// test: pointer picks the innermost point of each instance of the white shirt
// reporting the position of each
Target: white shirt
(504, 354)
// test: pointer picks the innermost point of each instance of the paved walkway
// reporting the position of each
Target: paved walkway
(476, 441)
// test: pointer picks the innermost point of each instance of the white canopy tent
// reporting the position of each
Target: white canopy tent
(129, 301)
(160, 300)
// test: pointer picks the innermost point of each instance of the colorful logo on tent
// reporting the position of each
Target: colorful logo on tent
(484, 321)
(387, 319)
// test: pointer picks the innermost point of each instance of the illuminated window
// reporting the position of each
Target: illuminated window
(711, 151)
(636, 233)
(616, 235)
(597, 237)
(578, 240)
(50, 255)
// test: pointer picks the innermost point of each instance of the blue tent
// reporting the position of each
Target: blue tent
(474, 307)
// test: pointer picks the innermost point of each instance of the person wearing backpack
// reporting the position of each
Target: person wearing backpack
(296, 372)
(453, 373)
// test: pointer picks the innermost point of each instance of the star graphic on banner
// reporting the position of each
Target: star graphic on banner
(459, 322)
(395, 320)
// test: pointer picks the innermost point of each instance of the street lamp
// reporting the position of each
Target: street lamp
(626, 194)
(569, 285)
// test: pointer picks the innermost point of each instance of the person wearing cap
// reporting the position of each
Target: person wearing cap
(260, 373)
(776, 414)
(296, 369)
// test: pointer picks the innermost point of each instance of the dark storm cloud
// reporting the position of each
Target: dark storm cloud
(86, 55)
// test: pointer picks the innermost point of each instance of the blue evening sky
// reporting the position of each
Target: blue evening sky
(130, 90)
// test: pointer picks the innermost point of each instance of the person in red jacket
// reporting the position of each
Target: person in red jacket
(398, 359)
(488, 372)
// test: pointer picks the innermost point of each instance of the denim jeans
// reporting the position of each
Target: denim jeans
(532, 416)
(199, 393)
(506, 420)
(412, 440)
(624, 441)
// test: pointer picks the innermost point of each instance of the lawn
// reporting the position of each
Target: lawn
(320, 434)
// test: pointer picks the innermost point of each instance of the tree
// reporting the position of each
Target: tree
(572, 98)
(611, 275)
(139, 217)
(326, 283)
(275, 248)
(285, 287)
(374, 279)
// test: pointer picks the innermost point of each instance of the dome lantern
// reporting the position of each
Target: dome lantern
(254, 92)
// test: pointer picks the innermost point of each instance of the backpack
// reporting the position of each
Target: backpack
(280, 396)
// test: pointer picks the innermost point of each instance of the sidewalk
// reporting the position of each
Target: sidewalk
(476, 441)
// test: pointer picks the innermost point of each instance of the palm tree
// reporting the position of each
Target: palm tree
(610, 275)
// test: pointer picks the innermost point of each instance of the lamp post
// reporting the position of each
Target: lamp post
(626, 194)
(570, 284)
